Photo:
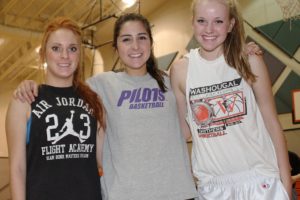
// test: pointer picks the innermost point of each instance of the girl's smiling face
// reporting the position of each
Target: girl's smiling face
(62, 56)
(211, 24)
(134, 47)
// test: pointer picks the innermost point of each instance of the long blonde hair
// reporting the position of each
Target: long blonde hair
(235, 42)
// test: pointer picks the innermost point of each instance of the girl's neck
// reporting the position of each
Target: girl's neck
(59, 83)
(210, 55)
(136, 72)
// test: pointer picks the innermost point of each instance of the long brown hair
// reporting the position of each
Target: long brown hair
(151, 63)
(235, 42)
(88, 95)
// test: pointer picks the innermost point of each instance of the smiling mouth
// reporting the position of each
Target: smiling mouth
(137, 55)
(209, 37)
(64, 65)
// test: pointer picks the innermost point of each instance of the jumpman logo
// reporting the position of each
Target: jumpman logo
(68, 129)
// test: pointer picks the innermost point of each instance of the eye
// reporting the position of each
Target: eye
(219, 22)
(55, 48)
(126, 39)
(201, 21)
(73, 49)
(143, 37)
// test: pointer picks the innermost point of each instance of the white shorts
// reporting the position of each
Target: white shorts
(242, 186)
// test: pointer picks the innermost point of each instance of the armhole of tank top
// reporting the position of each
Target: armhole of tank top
(28, 128)
(187, 95)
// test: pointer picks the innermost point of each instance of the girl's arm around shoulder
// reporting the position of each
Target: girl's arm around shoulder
(15, 124)
(178, 75)
(263, 93)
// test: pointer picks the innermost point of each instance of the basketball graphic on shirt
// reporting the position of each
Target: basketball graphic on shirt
(228, 106)
(202, 113)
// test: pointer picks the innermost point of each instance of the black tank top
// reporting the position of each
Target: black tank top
(61, 147)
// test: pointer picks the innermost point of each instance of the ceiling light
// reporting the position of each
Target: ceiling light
(129, 2)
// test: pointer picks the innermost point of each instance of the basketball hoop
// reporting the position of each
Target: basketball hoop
(290, 9)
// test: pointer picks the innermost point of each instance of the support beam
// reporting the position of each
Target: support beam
(24, 34)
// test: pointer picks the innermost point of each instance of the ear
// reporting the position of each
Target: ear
(231, 25)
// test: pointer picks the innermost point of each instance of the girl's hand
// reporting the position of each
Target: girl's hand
(26, 91)
(252, 48)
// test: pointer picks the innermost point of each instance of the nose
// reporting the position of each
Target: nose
(135, 44)
(64, 53)
(209, 28)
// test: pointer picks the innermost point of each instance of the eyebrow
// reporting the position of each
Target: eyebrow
(127, 35)
(57, 43)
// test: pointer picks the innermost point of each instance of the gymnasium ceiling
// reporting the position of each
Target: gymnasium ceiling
(22, 23)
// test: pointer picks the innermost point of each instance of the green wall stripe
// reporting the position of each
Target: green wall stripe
(283, 34)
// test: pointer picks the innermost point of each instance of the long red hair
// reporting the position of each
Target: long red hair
(88, 95)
